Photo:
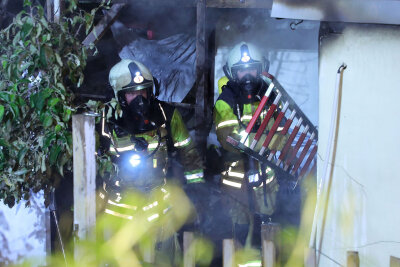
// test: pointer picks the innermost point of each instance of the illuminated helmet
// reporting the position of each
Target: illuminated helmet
(244, 56)
(130, 75)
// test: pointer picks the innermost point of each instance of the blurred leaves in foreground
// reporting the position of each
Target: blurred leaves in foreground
(120, 242)
(129, 242)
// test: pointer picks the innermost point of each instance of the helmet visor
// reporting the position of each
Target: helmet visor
(249, 66)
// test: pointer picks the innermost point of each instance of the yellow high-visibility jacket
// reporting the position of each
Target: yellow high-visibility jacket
(151, 170)
(227, 123)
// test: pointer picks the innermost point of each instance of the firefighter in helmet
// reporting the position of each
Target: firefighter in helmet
(253, 189)
(145, 141)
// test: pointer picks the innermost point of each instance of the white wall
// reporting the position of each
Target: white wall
(23, 233)
(363, 212)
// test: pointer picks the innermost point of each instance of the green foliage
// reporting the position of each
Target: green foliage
(124, 242)
(40, 63)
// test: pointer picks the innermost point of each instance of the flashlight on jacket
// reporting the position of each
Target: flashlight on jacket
(134, 160)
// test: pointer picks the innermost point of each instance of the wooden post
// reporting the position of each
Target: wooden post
(271, 232)
(149, 253)
(49, 10)
(54, 10)
(310, 259)
(58, 6)
(352, 259)
(103, 25)
(84, 164)
(189, 252)
(228, 253)
(201, 52)
(268, 254)
(267, 4)
(394, 262)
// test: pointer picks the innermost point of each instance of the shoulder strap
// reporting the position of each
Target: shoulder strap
(168, 111)
(229, 97)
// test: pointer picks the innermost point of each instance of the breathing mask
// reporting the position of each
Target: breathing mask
(249, 88)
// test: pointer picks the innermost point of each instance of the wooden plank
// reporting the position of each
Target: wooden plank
(201, 52)
(268, 253)
(228, 253)
(58, 6)
(84, 169)
(54, 9)
(49, 10)
(272, 232)
(353, 259)
(180, 3)
(394, 262)
(149, 252)
(103, 25)
(267, 4)
(310, 259)
(189, 253)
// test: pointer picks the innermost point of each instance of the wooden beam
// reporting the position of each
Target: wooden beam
(104, 24)
(149, 251)
(180, 3)
(54, 8)
(266, 4)
(268, 254)
(201, 52)
(228, 253)
(272, 232)
(84, 169)
(58, 6)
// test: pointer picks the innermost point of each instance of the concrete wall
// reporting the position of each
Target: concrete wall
(23, 234)
(363, 212)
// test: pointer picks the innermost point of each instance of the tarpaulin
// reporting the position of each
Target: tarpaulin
(170, 60)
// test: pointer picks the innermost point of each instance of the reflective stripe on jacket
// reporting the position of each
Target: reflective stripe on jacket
(182, 143)
(228, 124)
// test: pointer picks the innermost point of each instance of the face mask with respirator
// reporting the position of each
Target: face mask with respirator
(249, 88)
(139, 113)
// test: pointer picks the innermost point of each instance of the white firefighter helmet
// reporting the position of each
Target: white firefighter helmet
(130, 75)
(244, 56)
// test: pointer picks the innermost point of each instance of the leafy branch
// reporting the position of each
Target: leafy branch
(41, 65)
